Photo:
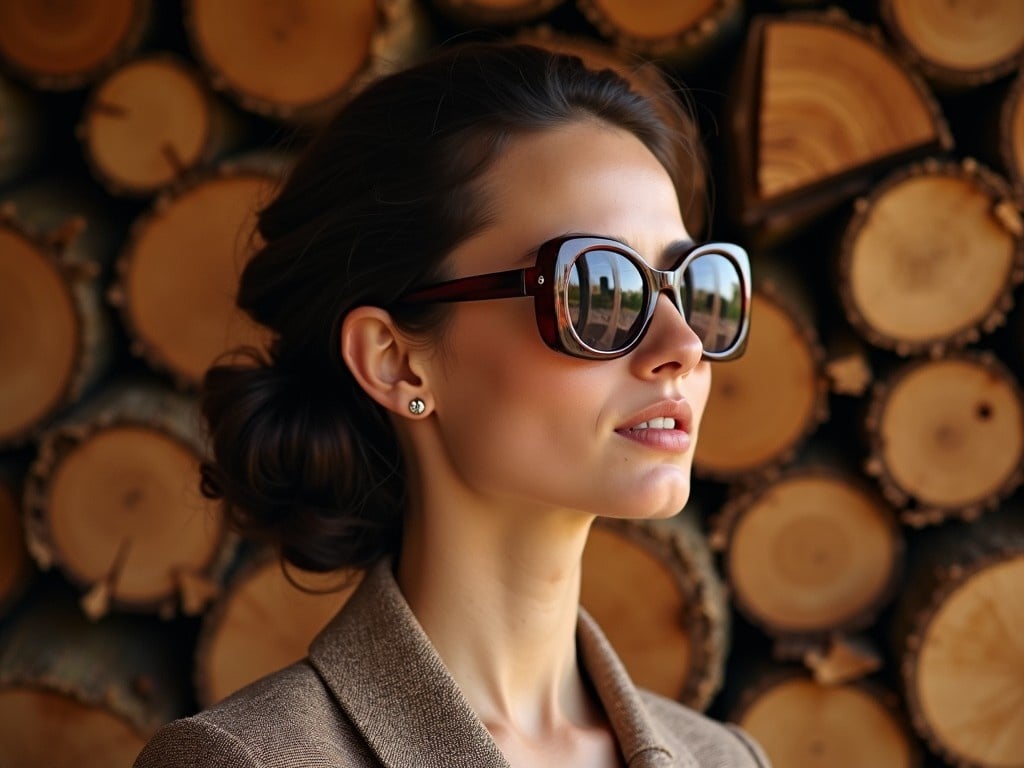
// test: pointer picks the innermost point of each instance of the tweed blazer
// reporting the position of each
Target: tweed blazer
(374, 692)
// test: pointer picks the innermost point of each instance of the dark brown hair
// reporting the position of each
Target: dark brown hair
(301, 456)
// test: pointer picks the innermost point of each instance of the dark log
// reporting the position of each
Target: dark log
(477, 13)
(21, 131)
(16, 569)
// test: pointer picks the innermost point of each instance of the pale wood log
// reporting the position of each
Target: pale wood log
(649, 81)
(299, 60)
(957, 629)
(21, 123)
(62, 46)
(178, 271)
(947, 437)
(1011, 134)
(55, 331)
(112, 500)
(265, 620)
(150, 122)
(75, 692)
(931, 257)
(676, 638)
(961, 44)
(681, 32)
(802, 723)
(811, 553)
(821, 106)
(763, 405)
(15, 565)
(475, 13)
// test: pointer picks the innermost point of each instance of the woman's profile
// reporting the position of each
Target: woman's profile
(491, 326)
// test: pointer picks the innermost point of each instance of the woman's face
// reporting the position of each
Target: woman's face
(524, 425)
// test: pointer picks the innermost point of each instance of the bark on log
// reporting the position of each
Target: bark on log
(958, 630)
(763, 405)
(1011, 132)
(55, 332)
(961, 44)
(15, 566)
(681, 32)
(947, 437)
(674, 641)
(62, 46)
(150, 122)
(649, 81)
(805, 724)
(821, 106)
(810, 554)
(264, 620)
(178, 272)
(21, 124)
(300, 60)
(112, 500)
(74, 692)
(476, 13)
(931, 257)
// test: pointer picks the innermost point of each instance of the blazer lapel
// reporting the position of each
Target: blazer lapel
(392, 685)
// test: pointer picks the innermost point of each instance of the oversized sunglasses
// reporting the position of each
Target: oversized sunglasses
(594, 297)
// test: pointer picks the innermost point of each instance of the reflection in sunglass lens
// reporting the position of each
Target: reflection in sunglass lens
(713, 300)
(606, 299)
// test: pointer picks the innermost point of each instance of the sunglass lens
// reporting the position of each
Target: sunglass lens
(605, 299)
(713, 298)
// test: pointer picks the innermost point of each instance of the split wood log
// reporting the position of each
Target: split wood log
(75, 692)
(675, 639)
(300, 60)
(264, 620)
(931, 257)
(958, 628)
(947, 437)
(15, 566)
(21, 131)
(476, 13)
(55, 332)
(178, 271)
(650, 82)
(112, 499)
(810, 554)
(763, 405)
(62, 46)
(805, 724)
(821, 106)
(961, 44)
(150, 122)
(1011, 134)
(681, 32)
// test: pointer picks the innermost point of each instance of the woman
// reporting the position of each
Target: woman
(470, 364)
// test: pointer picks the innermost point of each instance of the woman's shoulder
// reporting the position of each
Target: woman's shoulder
(285, 719)
(712, 743)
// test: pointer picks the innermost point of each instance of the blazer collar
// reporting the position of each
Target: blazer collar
(386, 676)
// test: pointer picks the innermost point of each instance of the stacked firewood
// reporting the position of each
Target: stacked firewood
(847, 582)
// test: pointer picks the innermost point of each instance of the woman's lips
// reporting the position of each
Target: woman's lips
(672, 440)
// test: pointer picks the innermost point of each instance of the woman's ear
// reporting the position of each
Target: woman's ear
(378, 355)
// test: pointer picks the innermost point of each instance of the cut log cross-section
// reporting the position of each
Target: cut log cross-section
(947, 437)
(821, 106)
(931, 257)
(21, 122)
(961, 44)
(813, 552)
(264, 620)
(764, 404)
(803, 724)
(65, 45)
(299, 60)
(178, 273)
(958, 632)
(1011, 135)
(675, 640)
(112, 499)
(150, 122)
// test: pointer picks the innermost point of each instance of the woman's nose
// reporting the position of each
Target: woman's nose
(670, 347)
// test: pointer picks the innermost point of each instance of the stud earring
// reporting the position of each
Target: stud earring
(417, 406)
